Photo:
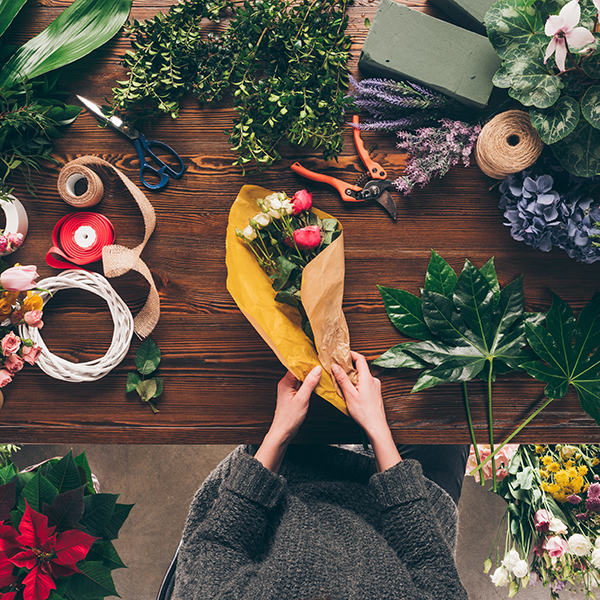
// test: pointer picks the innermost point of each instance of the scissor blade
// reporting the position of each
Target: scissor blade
(387, 201)
(112, 121)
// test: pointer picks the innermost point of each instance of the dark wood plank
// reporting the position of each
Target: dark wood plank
(220, 377)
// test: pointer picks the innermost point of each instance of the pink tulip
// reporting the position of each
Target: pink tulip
(541, 520)
(19, 279)
(301, 200)
(556, 546)
(33, 318)
(31, 354)
(13, 363)
(307, 238)
(10, 344)
(5, 377)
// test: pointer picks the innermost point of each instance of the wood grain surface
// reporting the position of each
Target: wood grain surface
(219, 376)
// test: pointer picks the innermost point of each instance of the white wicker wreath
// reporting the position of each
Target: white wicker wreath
(59, 368)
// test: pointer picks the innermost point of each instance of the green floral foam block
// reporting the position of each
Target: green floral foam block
(406, 44)
(469, 14)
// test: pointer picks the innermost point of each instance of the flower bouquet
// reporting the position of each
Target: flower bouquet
(286, 273)
(56, 532)
(552, 520)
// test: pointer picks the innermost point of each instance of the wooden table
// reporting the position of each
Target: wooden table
(220, 377)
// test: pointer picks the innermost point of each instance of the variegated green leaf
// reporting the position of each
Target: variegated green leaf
(590, 106)
(556, 122)
(579, 152)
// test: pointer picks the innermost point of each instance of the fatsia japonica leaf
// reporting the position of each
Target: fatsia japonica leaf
(569, 353)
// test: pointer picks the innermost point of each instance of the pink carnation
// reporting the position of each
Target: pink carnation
(10, 344)
(5, 377)
(33, 318)
(31, 354)
(13, 363)
(301, 201)
(308, 238)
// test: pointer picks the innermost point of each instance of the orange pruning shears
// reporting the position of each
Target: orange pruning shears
(376, 188)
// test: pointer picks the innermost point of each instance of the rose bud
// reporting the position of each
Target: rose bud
(5, 378)
(19, 279)
(301, 200)
(33, 318)
(31, 354)
(15, 240)
(3, 243)
(307, 238)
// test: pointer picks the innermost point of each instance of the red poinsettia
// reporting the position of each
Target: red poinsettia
(47, 555)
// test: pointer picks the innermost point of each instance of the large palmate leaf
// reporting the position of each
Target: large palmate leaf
(8, 11)
(569, 353)
(81, 28)
(467, 324)
(556, 122)
(579, 152)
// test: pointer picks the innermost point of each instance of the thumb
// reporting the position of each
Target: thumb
(309, 384)
(342, 378)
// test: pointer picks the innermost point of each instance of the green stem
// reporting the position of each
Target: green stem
(491, 425)
(512, 435)
(471, 430)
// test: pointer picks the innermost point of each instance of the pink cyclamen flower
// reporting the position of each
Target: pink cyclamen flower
(542, 520)
(301, 200)
(308, 238)
(5, 377)
(563, 30)
(10, 344)
(15, 240)
(13, 363)
(31, 354)
(33, 318)
(556, 546)
(19, 279)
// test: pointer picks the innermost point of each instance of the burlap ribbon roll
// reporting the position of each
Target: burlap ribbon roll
(507, 144)
(118, 260)
(70, 175)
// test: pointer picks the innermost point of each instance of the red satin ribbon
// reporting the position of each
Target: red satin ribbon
(79, 238)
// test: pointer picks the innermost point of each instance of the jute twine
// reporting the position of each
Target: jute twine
(507, 144)
(118, 260)
(71, 174)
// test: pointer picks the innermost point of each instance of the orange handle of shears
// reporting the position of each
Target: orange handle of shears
(376, 171)
(338, 184)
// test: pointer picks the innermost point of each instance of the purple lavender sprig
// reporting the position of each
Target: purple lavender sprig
(433, 150)
(396, 105)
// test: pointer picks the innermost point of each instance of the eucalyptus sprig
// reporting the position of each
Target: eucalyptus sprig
(147, 359)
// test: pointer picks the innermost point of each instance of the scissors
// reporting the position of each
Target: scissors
(376, 186)
(142, 147)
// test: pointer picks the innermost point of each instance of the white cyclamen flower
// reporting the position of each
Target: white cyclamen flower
(520, 569)
(579, 544)
(249, 233)
(500, 577)
(511, 559)
(262, 220)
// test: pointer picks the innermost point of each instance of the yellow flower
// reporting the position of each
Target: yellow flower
(544, 474)
(540, 449)
(554, 488)
(32, 302)
(562, 478)
(546, 460)
(545, 486)
(577, 484)
(595, 462)
(553, 467)
(572, 471)
(583, 470)
(569, 464)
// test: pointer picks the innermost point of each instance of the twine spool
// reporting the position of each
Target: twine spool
(70, 176)
(507, 144)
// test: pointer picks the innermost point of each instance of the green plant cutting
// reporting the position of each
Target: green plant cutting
(469, 327)
(147, 359)
(284, 62)
(551, 64)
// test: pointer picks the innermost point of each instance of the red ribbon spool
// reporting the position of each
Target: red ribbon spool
(79, 238)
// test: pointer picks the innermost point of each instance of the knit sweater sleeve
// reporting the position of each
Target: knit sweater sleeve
(412, 530)
(232, 535)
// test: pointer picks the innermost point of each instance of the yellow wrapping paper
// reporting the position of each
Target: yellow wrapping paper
(280, 325)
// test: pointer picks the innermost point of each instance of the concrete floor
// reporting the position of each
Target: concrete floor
(161, 481)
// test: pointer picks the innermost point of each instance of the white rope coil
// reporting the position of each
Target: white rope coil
(59, 368)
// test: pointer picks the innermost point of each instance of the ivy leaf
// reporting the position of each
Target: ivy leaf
(147, 358)
(578, 152)
(569, 353)
(557, 121)
(590, 106)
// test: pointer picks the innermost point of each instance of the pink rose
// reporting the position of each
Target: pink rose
(301, 200)
(5, 377)
(10, 343)
(33, 318)
(16, 316)
(3, 243)
(15, 240)
(13, 363)
(556, 546)
(31, 354)
(541, 520)
(19, 279)
(308, 238)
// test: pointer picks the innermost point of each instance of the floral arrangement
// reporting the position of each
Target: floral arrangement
(552, 520)
(552, 65)
(56, 532)
(285, 236)
(547, 206)
(19, 303)
(9, 242)
(481, 453)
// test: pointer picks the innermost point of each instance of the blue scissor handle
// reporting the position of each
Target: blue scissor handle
(142, 146)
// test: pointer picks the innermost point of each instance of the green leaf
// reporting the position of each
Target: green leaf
(440, 276)
(405, 312)
(399, 356)
(66, 510)
(147, 357)
(64, 475)
(8, 11)
(98, 512)
(106, 553)
(7, 499)
(489, 272)
(159, 386)
(81, 28)
(85, 473)
(288, 296)
(133, 380)
(146, 389)
(36, 492)
(556, 122)
(579, 152)
(590, 106)
(93, 581)
(284, 270)
(118, 517)
(565, 349)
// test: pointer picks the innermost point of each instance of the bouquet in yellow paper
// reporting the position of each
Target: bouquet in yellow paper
(286, 273)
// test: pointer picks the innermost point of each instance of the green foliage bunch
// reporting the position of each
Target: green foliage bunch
(147, 359)
(285, 63)
(563, 105)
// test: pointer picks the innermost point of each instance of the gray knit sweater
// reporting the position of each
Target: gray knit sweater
(328, 526)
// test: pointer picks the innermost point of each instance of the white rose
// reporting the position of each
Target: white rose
(271, 197)
(275, 204)
(520, 569)
(274, 213)
(249, 233)
(579, 544)
(262, 220)
(287, 207)
(557, 526)
(511, 559)
(596, 558)
(597, 543)
(500, 577)
(567, 452)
